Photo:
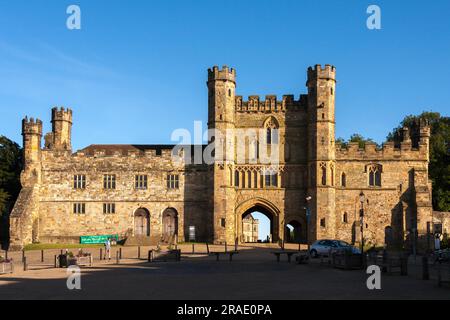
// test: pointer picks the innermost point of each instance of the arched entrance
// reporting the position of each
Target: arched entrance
(142, 223)
(253, 208)
(294, 232)
(170, 223)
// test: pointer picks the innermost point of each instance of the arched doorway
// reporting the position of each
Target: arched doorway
(266, 211)
(294, 232)
(170, 223)
(142, 223)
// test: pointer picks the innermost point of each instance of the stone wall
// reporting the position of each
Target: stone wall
(309, 176)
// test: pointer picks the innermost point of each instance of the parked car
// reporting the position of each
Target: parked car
(323, 247)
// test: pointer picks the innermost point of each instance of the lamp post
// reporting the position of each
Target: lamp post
(362, 198)
(308, 215)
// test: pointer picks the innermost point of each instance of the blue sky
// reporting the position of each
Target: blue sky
(137, 69)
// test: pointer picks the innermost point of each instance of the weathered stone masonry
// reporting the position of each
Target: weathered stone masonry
(214, 198)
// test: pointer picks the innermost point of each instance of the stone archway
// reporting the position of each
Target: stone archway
(142, 223)
(169, 223)
(294, 232)
(262, 206)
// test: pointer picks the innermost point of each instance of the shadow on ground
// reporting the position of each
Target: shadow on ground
(254, 274)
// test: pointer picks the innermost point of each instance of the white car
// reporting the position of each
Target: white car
(325, 246)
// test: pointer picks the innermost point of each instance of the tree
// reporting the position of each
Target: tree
(10, 168)
(356, 137)
(439, 168)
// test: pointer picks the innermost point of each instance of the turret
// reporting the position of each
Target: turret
(221, 118)
(61, 129)
(321, 85)
(32, 135)
(221, 96)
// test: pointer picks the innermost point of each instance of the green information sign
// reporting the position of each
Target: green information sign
(97, 239)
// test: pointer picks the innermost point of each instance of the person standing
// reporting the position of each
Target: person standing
(437, 242)
(108, 249)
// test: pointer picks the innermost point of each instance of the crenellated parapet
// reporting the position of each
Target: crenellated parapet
(389, 151)
(31, 126)
(62, 114)
(328, 72)
(226, 74)
(271, 104)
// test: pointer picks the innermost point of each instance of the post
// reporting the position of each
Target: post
(425, 271)
(23, 255)
(439, 276)
(236, 245)
(150, 256)
(226, 248)
(6, 254)
(404, 266)
(42, 256)
(139, 252)
(120, 253)
(117, 257)
(101, 254)
(25, 267)
(193, 248)
(207, 247)
(385, 259)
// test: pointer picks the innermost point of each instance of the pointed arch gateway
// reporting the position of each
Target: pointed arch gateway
(263, 206)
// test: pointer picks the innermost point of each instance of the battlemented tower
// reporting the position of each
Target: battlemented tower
(321, 85)
(32, 135)
(221, 119)
(61, 136)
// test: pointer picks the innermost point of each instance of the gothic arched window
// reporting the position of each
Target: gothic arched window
(271, 126)
(323, 169)
(343, 179)
(374, 171)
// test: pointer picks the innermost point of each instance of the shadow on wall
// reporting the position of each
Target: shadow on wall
(197, 220)
(4, 232)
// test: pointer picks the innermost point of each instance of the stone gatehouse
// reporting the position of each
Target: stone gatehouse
(140, 191)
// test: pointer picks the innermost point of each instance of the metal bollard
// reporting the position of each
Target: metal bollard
(150, 256)
(120, 253)
(42, 256)
(385, 259)
(25, 266)
(403, 266)
(193, 248)
(207, 247)
(139, 252)
(425, 270)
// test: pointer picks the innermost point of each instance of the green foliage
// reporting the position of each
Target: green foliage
(10, 168)
(439, 169)
(356, 137)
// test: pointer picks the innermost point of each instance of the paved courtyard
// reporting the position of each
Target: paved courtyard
(253, 274)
